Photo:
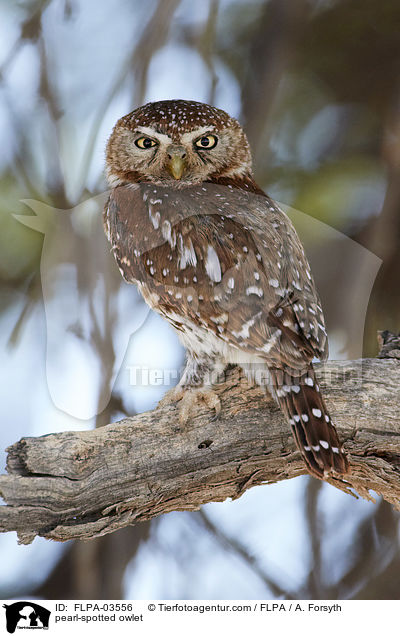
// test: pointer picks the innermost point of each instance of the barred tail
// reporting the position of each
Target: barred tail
(315, 435)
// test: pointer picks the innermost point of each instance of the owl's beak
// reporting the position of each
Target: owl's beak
(176, 167)
(176, 164)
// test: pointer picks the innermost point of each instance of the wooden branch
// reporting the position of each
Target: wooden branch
(85, 484)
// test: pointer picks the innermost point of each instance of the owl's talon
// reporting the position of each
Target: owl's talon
(216, 417)
(213, 402)
(192, 397)
(172, 396)
(189, 399)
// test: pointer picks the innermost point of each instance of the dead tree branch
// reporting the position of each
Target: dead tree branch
(85, 484)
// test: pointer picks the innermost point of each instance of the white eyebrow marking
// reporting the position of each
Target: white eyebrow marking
(146, 130)
(193, 134)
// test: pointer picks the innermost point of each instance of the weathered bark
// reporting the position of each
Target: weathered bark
(85, 484)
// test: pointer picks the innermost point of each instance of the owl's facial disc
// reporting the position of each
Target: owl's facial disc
(180, 157)
(177, 142)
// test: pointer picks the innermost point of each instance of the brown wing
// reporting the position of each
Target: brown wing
(225, 260)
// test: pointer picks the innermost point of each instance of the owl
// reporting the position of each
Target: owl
(218, 259)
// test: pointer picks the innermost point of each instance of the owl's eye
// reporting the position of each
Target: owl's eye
(208, 141)
(145, 142)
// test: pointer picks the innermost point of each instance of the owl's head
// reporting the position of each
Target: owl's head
(178, 142)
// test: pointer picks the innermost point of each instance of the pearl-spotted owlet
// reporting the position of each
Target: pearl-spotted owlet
(218, 259)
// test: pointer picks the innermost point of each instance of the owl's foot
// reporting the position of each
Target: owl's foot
(189, 398)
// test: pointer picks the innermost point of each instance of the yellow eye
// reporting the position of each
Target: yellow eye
(207, 142)
(145, 142)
